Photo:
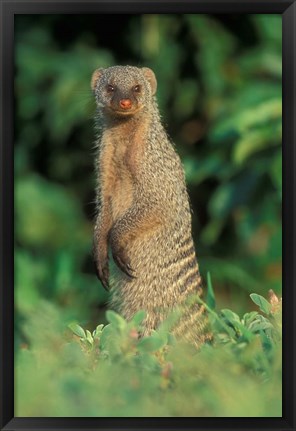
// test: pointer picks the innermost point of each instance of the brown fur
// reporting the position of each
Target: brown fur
(143, 208)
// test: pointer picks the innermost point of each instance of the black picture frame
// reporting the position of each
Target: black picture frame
(8, 10)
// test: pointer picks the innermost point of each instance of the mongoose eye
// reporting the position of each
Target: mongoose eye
(137, 88)
(110, 88)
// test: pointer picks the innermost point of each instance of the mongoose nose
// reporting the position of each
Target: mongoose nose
(125, 103)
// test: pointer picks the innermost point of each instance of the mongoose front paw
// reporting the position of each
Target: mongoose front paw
(103, 273)
(100, 255)
(122, 261)
(124, 266)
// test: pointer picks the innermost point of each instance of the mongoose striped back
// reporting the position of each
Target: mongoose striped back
(143, 206)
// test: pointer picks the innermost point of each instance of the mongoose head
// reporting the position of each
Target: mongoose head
(123, 90)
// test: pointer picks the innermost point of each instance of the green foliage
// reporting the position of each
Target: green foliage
(40, 204)
(113, 372)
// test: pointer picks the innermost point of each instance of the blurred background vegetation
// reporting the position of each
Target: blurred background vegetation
(219, 93)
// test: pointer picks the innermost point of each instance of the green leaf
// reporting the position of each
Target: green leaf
(150, 362)
(262, 303)
(152, 343)
(230, 316)
(89, 337)
(139, 317)
(234, 320)
(116, 320)
(211, 302)
(268, 111)
(256, 140)
(248, 318)
(260, 325)
(77, 330)
(98, 331)
(106, 337)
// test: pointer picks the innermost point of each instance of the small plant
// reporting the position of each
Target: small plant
(121, 341)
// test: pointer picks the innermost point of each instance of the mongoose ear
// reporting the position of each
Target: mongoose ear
(94, 79)
(149, 74)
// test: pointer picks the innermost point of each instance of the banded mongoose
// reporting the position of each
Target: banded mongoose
(143, 211)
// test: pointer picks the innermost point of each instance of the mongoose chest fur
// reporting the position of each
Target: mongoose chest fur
(143, 211)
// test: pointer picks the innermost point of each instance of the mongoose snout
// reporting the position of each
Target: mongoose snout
(125, 103)
(143, 212)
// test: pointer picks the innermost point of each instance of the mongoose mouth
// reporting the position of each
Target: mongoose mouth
(123, 111)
